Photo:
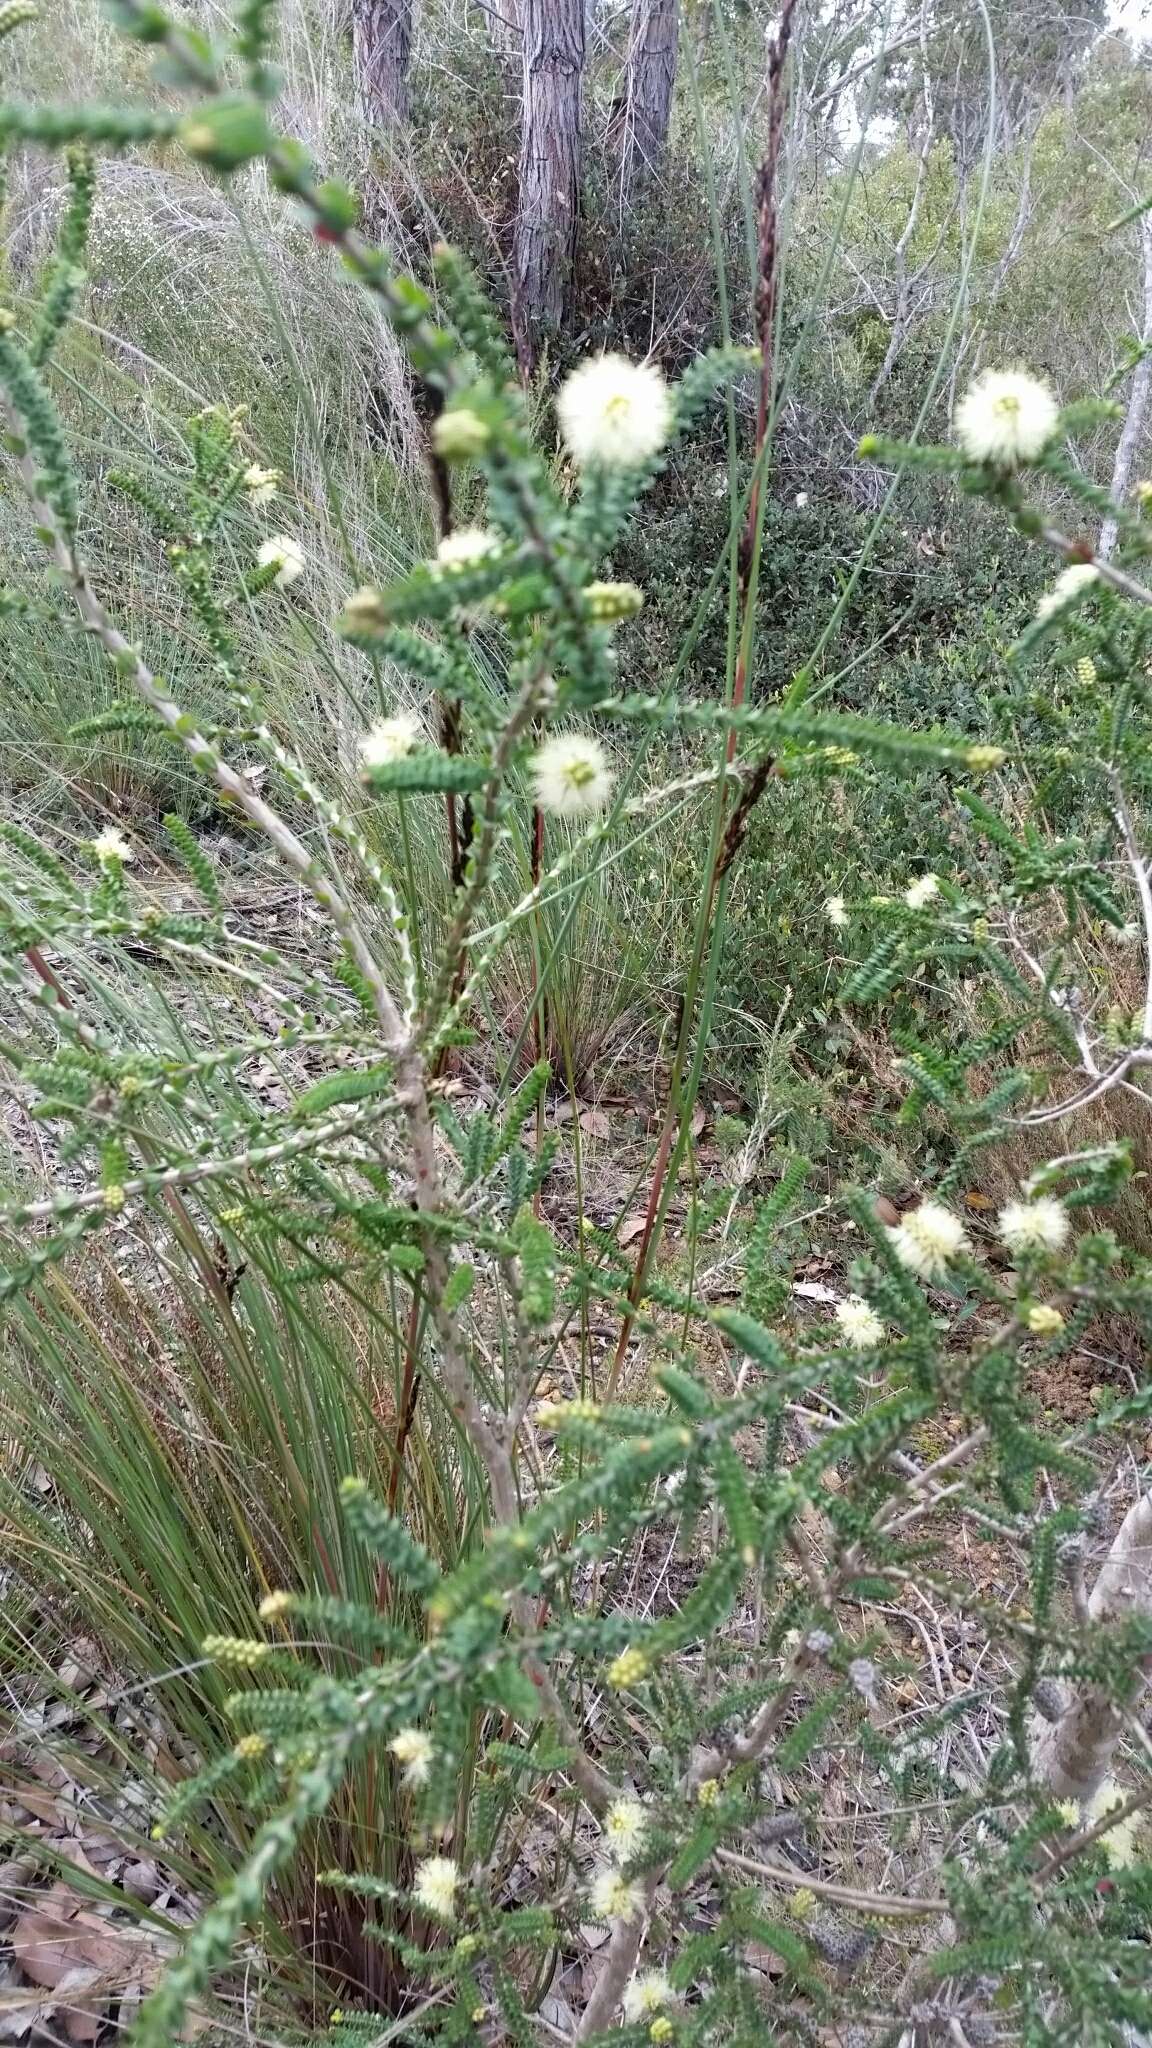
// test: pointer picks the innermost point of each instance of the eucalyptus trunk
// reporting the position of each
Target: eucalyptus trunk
(1132, 431)
(549, 194)
(382, 47)
(503, 17)
(651, 82)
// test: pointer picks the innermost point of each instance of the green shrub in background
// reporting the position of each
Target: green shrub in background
(335, 1462)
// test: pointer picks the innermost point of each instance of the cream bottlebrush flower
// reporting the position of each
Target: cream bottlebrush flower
(1120, 1846)
(260, 484)
(614, 413)
(614, 1897)
(390, 739)
(465, 546)
(570, 775)
(1070, 584)
(919, 894)
(1038, 1226)
(1006, 417)
(928, 1239)
(111, 845)
(836, 911)
(413, 1748)
(860, 1326)
(625, 1826)
(434, 1886)
(287, 554)
(1044, 1320)
(647, 1993)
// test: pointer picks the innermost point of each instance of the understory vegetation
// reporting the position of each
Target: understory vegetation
(576, 950)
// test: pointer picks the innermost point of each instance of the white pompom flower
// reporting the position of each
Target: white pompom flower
(286, 554)
(467, 545)
(413, 1749)
(836, 911)
(260, 484)
(434, 1886)
(860, 1326)
(111, 845)
(614, 414)
(1006, 417)
(570, 775)
(928, 1239)
(1070, 584)
(1041, 1225)
(920, 893)
(626, 1827)
(390, 739)
(611, 1896)
(648, 1992)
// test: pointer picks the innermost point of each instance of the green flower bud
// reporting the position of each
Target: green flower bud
(337, 207)
(227, 134)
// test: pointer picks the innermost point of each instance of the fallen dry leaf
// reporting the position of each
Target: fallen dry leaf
(594, 1123)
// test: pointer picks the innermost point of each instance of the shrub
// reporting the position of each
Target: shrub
(465, 1717)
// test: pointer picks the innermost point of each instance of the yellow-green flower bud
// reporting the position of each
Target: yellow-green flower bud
(1044, 1320)
(628, 1669)
(607, 602)
(235, 1650)
(364, 612)
(980, 759)
(15, 14)
(460, 434)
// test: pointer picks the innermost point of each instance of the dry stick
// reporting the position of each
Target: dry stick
(1102, 1082)
(1081, 552)
(1071, 1756)
(619, 1963)
(900, 1905)
(767, 287)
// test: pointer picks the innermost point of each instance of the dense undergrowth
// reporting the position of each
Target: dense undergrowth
(479, 960)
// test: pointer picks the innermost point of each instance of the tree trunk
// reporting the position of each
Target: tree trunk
(652, 51)
(553, 34)
(503, 18)
(1133, 426)
(1071, 1755)
(382, 49)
